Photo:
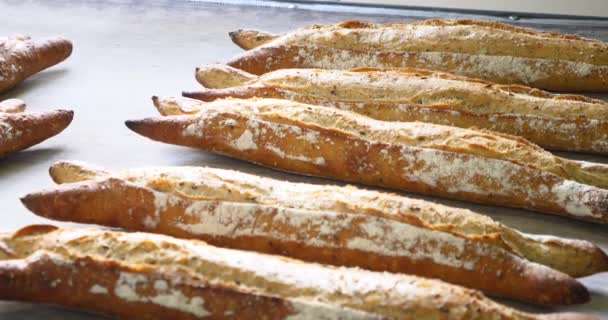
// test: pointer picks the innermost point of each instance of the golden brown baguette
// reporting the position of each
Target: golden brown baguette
(249, 39)
(21, 57)
(481, 143)
(326, 224)
(576, 258)
(146, 276)
(426, 158)
(557, 122)
(20, 130)
(487, 50)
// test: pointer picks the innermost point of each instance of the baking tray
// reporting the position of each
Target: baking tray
(127, 51)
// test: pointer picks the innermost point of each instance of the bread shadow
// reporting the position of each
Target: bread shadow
(16, 162)
(599, 301)
(597, 305)
(207, 159)
(31, 311)
(37, 80)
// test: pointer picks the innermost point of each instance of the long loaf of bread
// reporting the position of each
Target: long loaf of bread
(343, 226)
(480, 49)
(21, 57)
(20, 130)
(557, 122)
(420, 157)
(146, 276)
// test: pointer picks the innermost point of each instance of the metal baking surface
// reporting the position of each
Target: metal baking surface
(125, 52)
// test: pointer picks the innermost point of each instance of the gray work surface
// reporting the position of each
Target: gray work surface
(125, 52)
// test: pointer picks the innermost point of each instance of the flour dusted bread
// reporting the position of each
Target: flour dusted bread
(146, 276)
(249, 39)
(20, 130)
(432, 159)
(21, 57)
(557, 122)
(488, 50)
(327, 224)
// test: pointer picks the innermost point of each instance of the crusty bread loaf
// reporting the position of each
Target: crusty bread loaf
(146, 276)
(488, 50)
(20, 130)
(328, 224)
(557, 122)
(249, 39)
(421, 157)
(21, 57)
(12, 106)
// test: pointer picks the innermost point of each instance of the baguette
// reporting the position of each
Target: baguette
(327, 224)
(556, 122)
(249, 39)
(487, 50)
(21, 57)
(146, 276)
(12, 106)
(426, 158)
(20, 130)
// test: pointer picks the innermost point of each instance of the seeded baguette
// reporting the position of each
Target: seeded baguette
(420, 157)
(576, 258)
(556, 122)
(487, 50)
(20, 130)
(480, 143)
(21, 57)
(342, 226)
(146, 276)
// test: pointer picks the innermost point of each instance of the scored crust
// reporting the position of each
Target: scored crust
(577, 258)
(458, 36)
(417, 134)
(301, 138)
(250, 39)
(558, 75)
(223, 207)
(487, 50)
(153, 277)
(561, 122)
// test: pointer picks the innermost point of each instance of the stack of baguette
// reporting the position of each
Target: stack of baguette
(410, 129)
(492, 51)
(322, 223)
(146, 276)
(553, 121)
(452, 162)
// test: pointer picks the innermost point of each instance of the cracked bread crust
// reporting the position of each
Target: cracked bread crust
(341, 227)
(440, 34)
(488, 50)
(302, 138)
(417, 134)
(559, 122)
(138, 275)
